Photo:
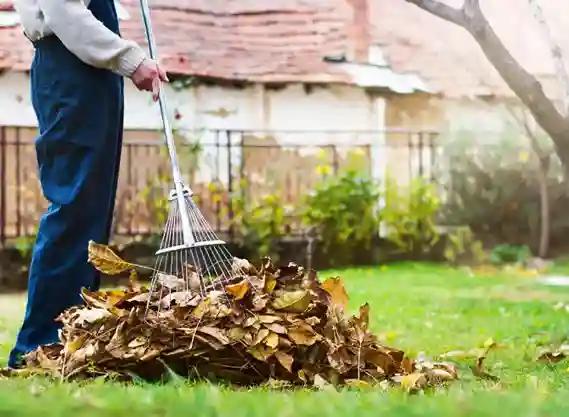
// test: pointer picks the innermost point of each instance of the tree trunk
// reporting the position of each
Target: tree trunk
(544, 212)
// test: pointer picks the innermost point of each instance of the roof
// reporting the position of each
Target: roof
(447, 58)
(249, 40)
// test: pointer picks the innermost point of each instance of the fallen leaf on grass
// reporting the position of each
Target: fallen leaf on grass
(478, 369)
(412, 382)
(551, 357)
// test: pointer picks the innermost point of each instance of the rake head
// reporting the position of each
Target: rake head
(191, 258)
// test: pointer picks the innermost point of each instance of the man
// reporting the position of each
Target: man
(77, 94)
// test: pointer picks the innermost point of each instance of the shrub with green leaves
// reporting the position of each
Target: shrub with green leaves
(409, 219)
(494, 188)
(510, 254)
(260, 224)
(342, 209)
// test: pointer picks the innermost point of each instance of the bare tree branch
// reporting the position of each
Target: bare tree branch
(440, 10)
(560, 69)
(521, 82)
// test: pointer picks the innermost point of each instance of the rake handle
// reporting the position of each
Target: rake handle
(168, 132)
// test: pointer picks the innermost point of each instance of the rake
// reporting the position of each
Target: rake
(191, 257)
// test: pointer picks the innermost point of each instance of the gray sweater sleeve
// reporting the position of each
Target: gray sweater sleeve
(89, 39)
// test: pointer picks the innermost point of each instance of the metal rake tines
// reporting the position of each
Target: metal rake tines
(183, 270)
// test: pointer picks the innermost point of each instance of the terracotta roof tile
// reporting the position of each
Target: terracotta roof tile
(280, 40)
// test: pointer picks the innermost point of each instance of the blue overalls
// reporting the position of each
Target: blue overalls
(80, 115)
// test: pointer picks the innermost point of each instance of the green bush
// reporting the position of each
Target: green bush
(261, 224)
(494, 189)
(342, 210)
(510, 254)
(409, 218)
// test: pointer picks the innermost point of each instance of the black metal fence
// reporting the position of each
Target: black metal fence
(220, 166)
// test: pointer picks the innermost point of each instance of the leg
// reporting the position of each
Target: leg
(78, 165)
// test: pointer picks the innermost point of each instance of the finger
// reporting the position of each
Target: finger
(162, 74)
(155, 88)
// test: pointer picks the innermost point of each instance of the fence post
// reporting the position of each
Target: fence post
(335, 161)
(18, 184)
(217, 145)
(229, 184)
(433, 153)
(420, 150)
(3, 186)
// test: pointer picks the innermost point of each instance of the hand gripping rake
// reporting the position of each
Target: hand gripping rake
(191, 257)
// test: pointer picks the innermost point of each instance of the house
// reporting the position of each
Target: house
(281, 75)
(293, 70)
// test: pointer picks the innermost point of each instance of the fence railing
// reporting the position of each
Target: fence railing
(241, 163)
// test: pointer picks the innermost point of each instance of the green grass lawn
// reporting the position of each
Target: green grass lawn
(417, 308)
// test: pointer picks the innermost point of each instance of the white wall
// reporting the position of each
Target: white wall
(492, 118)
(335, 108)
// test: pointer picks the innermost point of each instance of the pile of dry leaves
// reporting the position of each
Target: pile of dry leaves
(274, 325)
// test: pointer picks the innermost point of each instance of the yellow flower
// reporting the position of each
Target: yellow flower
(323, 169)
(524, 156)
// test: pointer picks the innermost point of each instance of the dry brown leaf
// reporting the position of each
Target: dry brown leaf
(321, 383)
(191, 276)
(277, 328)
(171, 282)
(73, 346)
(106, 261)
(380, 359)
(363, 319)
(272, 340)
(303, 335)
(338, 294)
(440, 376)
(216, 333)
(91, 316)
(551, 357)
(479, 371)
(270, 284)
(285, 360)
(238, 290)
(297, 301)
(407, 365)
(261, 352)
(358, 384)
(202, 308)
(237, 334)
(413, 382)
(266, 319)
(260, 336)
